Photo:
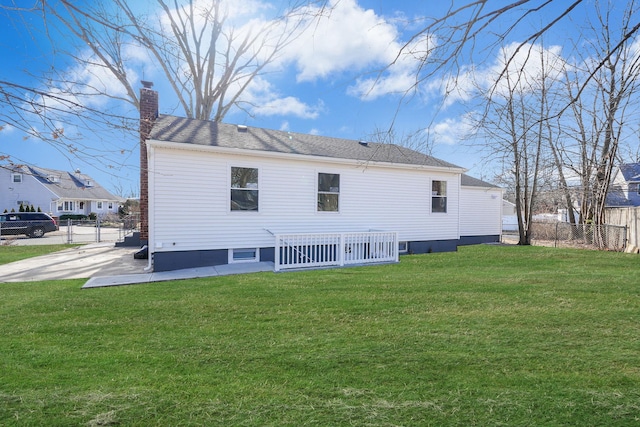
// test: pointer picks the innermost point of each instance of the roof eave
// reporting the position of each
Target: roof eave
(302, 157)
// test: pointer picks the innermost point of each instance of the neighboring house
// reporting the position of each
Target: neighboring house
(624, 189)
(481, 208)
(53, 191)
(249, 186)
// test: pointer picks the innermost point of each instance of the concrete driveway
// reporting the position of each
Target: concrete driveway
(97, 259)
(77, 234)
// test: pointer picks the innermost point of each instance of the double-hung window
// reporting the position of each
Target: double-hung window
(328, 192)
(439, 196)
(244, 189)
(16, 177)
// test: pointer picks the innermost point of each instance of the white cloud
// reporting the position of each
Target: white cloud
(288, 106)
(400, 77)
(451, 131)
(348, 38)
(262, 99)
(7, 128)
(515, 66)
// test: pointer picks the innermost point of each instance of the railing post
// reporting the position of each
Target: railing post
(395, 247)
(341, 250)
(277, 254)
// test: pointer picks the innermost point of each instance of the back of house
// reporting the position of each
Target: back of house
(221, 193)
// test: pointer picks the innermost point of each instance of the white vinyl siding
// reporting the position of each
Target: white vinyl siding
(480, 211)
(371, 198)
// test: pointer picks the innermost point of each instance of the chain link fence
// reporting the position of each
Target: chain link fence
(585, 236)
(82, 231)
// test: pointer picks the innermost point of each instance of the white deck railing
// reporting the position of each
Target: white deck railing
(334, 249)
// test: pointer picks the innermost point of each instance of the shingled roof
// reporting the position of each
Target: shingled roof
(469, 181)
(630, 171)
(201, 132)
(68, 185)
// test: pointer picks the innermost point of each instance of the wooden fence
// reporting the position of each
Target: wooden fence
(629, 217)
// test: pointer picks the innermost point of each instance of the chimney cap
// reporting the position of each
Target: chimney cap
(146, 84)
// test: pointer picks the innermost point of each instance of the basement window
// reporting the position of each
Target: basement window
(243, 255)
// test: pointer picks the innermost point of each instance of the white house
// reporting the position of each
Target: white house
(53, 191)
(223, 193)
(481, 208)
(625, 186)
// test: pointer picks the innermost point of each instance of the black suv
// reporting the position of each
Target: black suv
(33, 224)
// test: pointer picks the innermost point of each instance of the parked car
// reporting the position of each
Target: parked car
(32, 224)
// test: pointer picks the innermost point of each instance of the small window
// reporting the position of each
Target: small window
(328, 192)
(99, 205)
(16, 177)
(403, 247)
(439, 196)
(110, 205)
(243, 255)
(244, 189)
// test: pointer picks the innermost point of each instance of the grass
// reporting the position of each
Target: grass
(10, 253)
(487, 336)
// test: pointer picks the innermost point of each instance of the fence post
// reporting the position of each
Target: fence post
(555, 240)
(341, 250)
(624, 238)
(69, 231)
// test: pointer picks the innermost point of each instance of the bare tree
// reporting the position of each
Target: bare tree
(598, 121)
(516, 130)
(206, 57)
(461, 27)
(417, 140)
(207, 61)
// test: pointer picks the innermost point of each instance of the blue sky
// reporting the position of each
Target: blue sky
(322, 84)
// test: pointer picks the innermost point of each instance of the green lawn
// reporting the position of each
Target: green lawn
(487, 336)
(11, 253)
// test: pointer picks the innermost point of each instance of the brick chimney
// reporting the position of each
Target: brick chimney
(148, 115)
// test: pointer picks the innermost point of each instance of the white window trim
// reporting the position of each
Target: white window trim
(13, 177)
(244, 166)
(317, 191)
(431, 196)
(406, 247)
(232, 260)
